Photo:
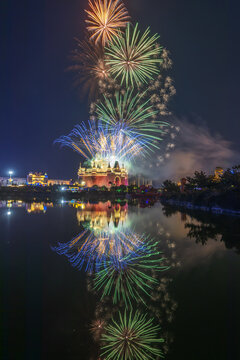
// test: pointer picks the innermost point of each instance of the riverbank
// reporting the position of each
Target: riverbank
(29, 194)
(189, 205)
(215, 202)
(203, 225)
(41, 194)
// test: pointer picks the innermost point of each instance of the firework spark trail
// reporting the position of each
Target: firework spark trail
(130, 276)
(131, 337)
(109, 144)
(73, 250)
(128, 122)
(133, 115)
(89, 66)
(105, 18)
(93, 251)
(160, 90)
(134, 58)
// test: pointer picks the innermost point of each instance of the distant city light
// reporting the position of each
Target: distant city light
(62, 188)
(9, 213)
(10, 172)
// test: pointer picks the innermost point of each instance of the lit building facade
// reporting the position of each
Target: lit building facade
(4, 181)
(37, 179)
(218, 173)
(100, 173)
(140, 180)
(58, 182)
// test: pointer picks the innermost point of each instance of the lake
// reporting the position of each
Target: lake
(104, 281)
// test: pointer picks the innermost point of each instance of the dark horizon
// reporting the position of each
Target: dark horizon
(39, 102)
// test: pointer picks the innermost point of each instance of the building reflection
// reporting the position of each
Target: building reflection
(36, 208)
(31, 208)
(126, 273)
(102, 216)
(105, 237)
(12, 204)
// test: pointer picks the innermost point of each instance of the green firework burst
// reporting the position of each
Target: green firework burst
(134, 58)
(131, 337)
(135, 114)
(130, 277)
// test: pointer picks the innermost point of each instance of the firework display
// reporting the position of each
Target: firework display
(125, 108)
(105, 18)
(161, 89)
(133, 115)
(97, 328)
(122, 69)
(97, 143)
(131, 337)
(134, 58)
(129, 276)
(89, 66)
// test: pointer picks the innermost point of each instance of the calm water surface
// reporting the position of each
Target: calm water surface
(69, 270)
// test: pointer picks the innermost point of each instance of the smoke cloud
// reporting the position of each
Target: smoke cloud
(189, 147)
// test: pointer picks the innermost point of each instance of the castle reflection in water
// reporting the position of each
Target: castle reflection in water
(129, 264)
(127, 271)
(103, 215)
(127, 274)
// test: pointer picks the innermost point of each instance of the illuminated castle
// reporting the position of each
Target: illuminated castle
(101, 173)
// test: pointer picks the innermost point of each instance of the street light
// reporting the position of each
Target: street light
(10, 176)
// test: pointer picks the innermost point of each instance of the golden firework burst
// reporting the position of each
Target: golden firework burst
(89, 66)
(105, 18)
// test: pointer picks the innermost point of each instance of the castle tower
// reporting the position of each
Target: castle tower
(101, 173)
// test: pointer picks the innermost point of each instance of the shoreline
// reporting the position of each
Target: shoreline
(55, 193)
(190, 206)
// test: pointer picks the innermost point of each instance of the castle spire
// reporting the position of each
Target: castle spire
(116, 166)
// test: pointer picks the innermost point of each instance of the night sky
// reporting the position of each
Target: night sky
(38, 102)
